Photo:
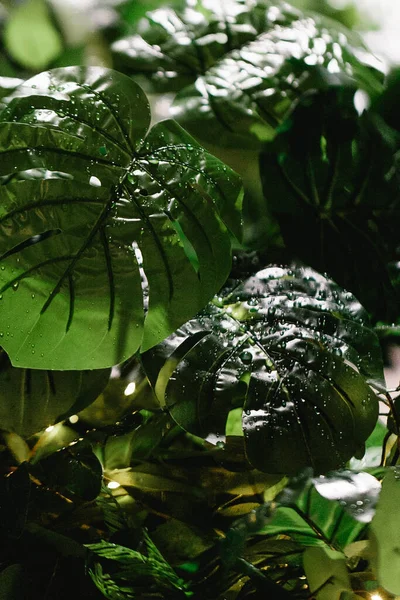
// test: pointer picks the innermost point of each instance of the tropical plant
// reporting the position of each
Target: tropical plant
(193, 311)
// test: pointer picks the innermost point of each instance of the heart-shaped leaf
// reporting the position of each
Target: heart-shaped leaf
(108, 241)
(31, 400)
(292, 349)
(241, 67)
(330, 179)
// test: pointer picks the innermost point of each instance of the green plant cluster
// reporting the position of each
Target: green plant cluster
(193, 310)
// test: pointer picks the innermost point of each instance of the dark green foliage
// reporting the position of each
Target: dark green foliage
(240, 68)
(290, 348)
(335, 186)
(31, 400)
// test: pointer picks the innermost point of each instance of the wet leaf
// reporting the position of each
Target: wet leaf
(292, 349)
(31, 400)
(330, 179)
(96, 222)
(240, 69)
(357, 493)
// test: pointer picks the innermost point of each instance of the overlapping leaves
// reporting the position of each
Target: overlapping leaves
(241, 66)
(30, 400)
(292, 349)
(335, 194)
(108, 241)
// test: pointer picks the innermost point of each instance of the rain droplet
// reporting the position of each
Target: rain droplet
(246, 357)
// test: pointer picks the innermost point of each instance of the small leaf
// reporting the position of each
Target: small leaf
(30, 37)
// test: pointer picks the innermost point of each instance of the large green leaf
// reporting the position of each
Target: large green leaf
(31, 400)
(330, 179)
(384, 534)
(108, 240)
(292, 349)
(242, 66)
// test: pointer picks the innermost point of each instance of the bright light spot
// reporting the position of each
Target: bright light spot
(361, 101)
(113, 485)
(376, 597)
(74, 419)
(95, 181)
(49, 428)
(130, 388)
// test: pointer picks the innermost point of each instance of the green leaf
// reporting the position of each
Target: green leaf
(314, 520)
(74, 470)
(292, 349)
(330, 179)
(135, 565)
(30, 37)
(357, 493)
(326, 571)
(384, 534)
(95, 222)
(11, 583)
(240, 70)
(31, 400)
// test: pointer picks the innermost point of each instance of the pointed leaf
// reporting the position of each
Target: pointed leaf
(99, 226)
(242, 68)
(292, 349)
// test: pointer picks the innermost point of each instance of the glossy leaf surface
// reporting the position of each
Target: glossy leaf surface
(292, 349)
(240, 67)
(330, 179)
(31, 400)
(108, 240)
